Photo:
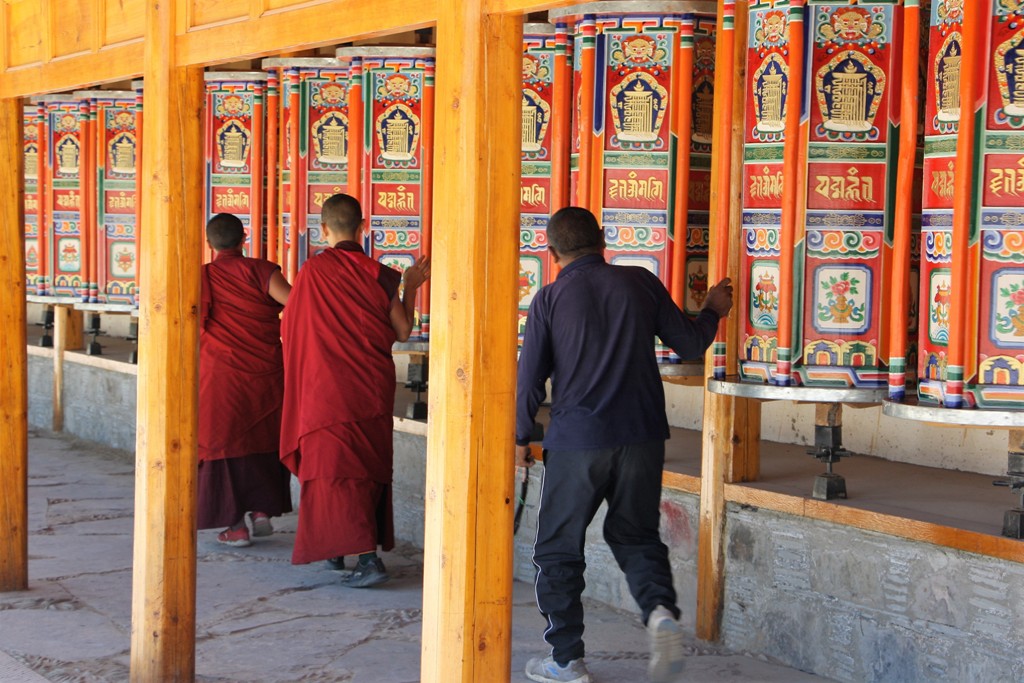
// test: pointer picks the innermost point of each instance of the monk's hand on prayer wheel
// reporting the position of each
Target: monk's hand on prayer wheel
(416, 274)
(524, 458)
(719, 298)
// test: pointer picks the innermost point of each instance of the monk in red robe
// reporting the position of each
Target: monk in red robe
(343, 317)
(242, 483)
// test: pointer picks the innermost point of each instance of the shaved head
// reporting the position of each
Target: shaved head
(225, 231)
(341, 215)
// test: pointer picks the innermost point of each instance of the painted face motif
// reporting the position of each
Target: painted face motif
(529, 67)
(850, 24)
(774, 26)
(638, 49)
(397, 86)
(332, 94)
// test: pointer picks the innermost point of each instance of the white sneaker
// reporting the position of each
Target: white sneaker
(666, 638)
(548, 671)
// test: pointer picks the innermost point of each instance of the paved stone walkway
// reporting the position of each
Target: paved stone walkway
(260, 619)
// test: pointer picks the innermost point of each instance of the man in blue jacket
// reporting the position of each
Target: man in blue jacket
(592, 332)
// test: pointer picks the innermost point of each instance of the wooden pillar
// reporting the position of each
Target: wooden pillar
(732, 426)
(13, 356)
(164, 568)
(68, 327)
(467, 610)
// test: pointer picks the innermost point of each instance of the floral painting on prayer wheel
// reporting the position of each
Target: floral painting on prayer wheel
(987, 368)
(66, 248)
(234, 151)
(113, 194)
(641, 72)
(841, 234)
(34, 132)
(391, 153)
(544, 181)
(313, 138)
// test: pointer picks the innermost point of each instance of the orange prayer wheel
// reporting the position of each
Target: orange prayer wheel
(313, 141)
(643, 89)
(971, 298)
(818, 209)
(544, 179)
(235, 166)
(34, 133)
(66, 242)
(391, 156)
(111, 194)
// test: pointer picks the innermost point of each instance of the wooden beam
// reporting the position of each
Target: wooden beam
(74, 72)
(989, 545)
(302, 28)
(518, 7)
(13, 356)
(467, 618)
(164, 567)
(67, 336)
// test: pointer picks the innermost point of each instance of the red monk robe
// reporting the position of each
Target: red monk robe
(338, 403)
(241, 383)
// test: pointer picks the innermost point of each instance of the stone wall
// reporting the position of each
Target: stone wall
(855, 605)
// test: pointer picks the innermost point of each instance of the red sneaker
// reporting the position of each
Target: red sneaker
(238, 538)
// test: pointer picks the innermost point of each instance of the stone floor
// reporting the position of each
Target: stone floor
(259, 618)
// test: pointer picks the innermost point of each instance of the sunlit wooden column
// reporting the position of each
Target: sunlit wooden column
(164, 569)
(13, 356)
(732, 426)
(468, 546)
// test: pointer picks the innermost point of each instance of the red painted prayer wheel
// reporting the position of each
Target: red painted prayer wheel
(390, 167)
(972, 281)
(110, 194)
(819, 192)
(234, 151)
(544, 180)
(643, 87)
(34, 136)
(65, 257)
(313, 136)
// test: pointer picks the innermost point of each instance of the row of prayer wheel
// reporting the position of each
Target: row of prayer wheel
(860, 268)
(81, 209)
(853, 274)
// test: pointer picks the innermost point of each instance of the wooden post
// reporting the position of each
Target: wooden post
(67, 336)
(164, 567)
(13, 356)
(732, 426)
(467, 609)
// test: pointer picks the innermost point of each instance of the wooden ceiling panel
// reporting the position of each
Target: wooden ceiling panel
(25, 32)
(123, 20)
(210, 12)
(73, 27)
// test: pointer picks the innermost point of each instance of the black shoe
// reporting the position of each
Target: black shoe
(371, 573)
(336, 563)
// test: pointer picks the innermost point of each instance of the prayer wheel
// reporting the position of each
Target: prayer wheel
(34, 126)
(972, 282)
(643, 88)
(544, 180)
(819, 192)
(312, 148)
(67, 244)
(390, 154)
(109, 194)
(234, 151)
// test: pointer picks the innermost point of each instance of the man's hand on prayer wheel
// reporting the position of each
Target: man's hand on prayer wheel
(416, 274)
(719, 298)
(524, 458)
